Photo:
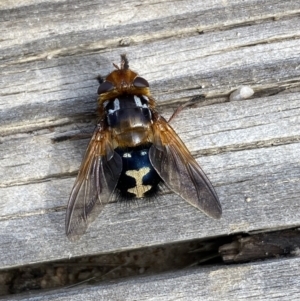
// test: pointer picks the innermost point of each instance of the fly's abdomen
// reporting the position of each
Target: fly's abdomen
(138, 178)
(129, 118)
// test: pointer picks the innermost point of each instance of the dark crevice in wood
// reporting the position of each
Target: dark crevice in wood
(66, 137)
(290, 86)
(268, 19)
(234, 249)
(261, 91)
(249, 146)
(261, 246)
(268, 41)
(13, 132)
(32, 213)
(41, 180)
(214, 97)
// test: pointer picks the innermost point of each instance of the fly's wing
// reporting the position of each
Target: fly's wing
(97, 179)
(180, 171)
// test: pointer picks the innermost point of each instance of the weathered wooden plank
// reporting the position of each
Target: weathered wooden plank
(95, 25)
(34, 160)
(259, 189)
(52, 92)
(273, 280)
(223, 127)
(48, 80)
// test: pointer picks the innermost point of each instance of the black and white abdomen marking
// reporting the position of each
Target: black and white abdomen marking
(138, 178)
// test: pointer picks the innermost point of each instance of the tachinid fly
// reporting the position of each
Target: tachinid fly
(132, 151)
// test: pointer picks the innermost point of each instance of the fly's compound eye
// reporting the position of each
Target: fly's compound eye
(105, 87)
(140, 82)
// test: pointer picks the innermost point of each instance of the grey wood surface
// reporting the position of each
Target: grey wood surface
(258, 187)
(50, 56)
(273, 280)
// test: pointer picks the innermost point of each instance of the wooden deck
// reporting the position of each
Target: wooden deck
(51, 53)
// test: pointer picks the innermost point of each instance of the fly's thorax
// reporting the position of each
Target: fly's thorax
(129, 118)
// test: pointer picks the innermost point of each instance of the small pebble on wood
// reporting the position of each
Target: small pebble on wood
(241, 93)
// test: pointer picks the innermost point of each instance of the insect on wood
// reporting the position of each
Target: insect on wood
(132, 152)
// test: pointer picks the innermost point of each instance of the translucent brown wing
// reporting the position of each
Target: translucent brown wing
(180, 171)
(94, 185)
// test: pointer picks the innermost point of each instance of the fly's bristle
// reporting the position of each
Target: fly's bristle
(124, 62)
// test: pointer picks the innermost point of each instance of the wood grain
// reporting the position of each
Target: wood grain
(47, 91)
(51, 53)
(252, 185)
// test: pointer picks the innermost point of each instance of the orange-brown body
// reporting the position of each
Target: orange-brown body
(133, 128)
